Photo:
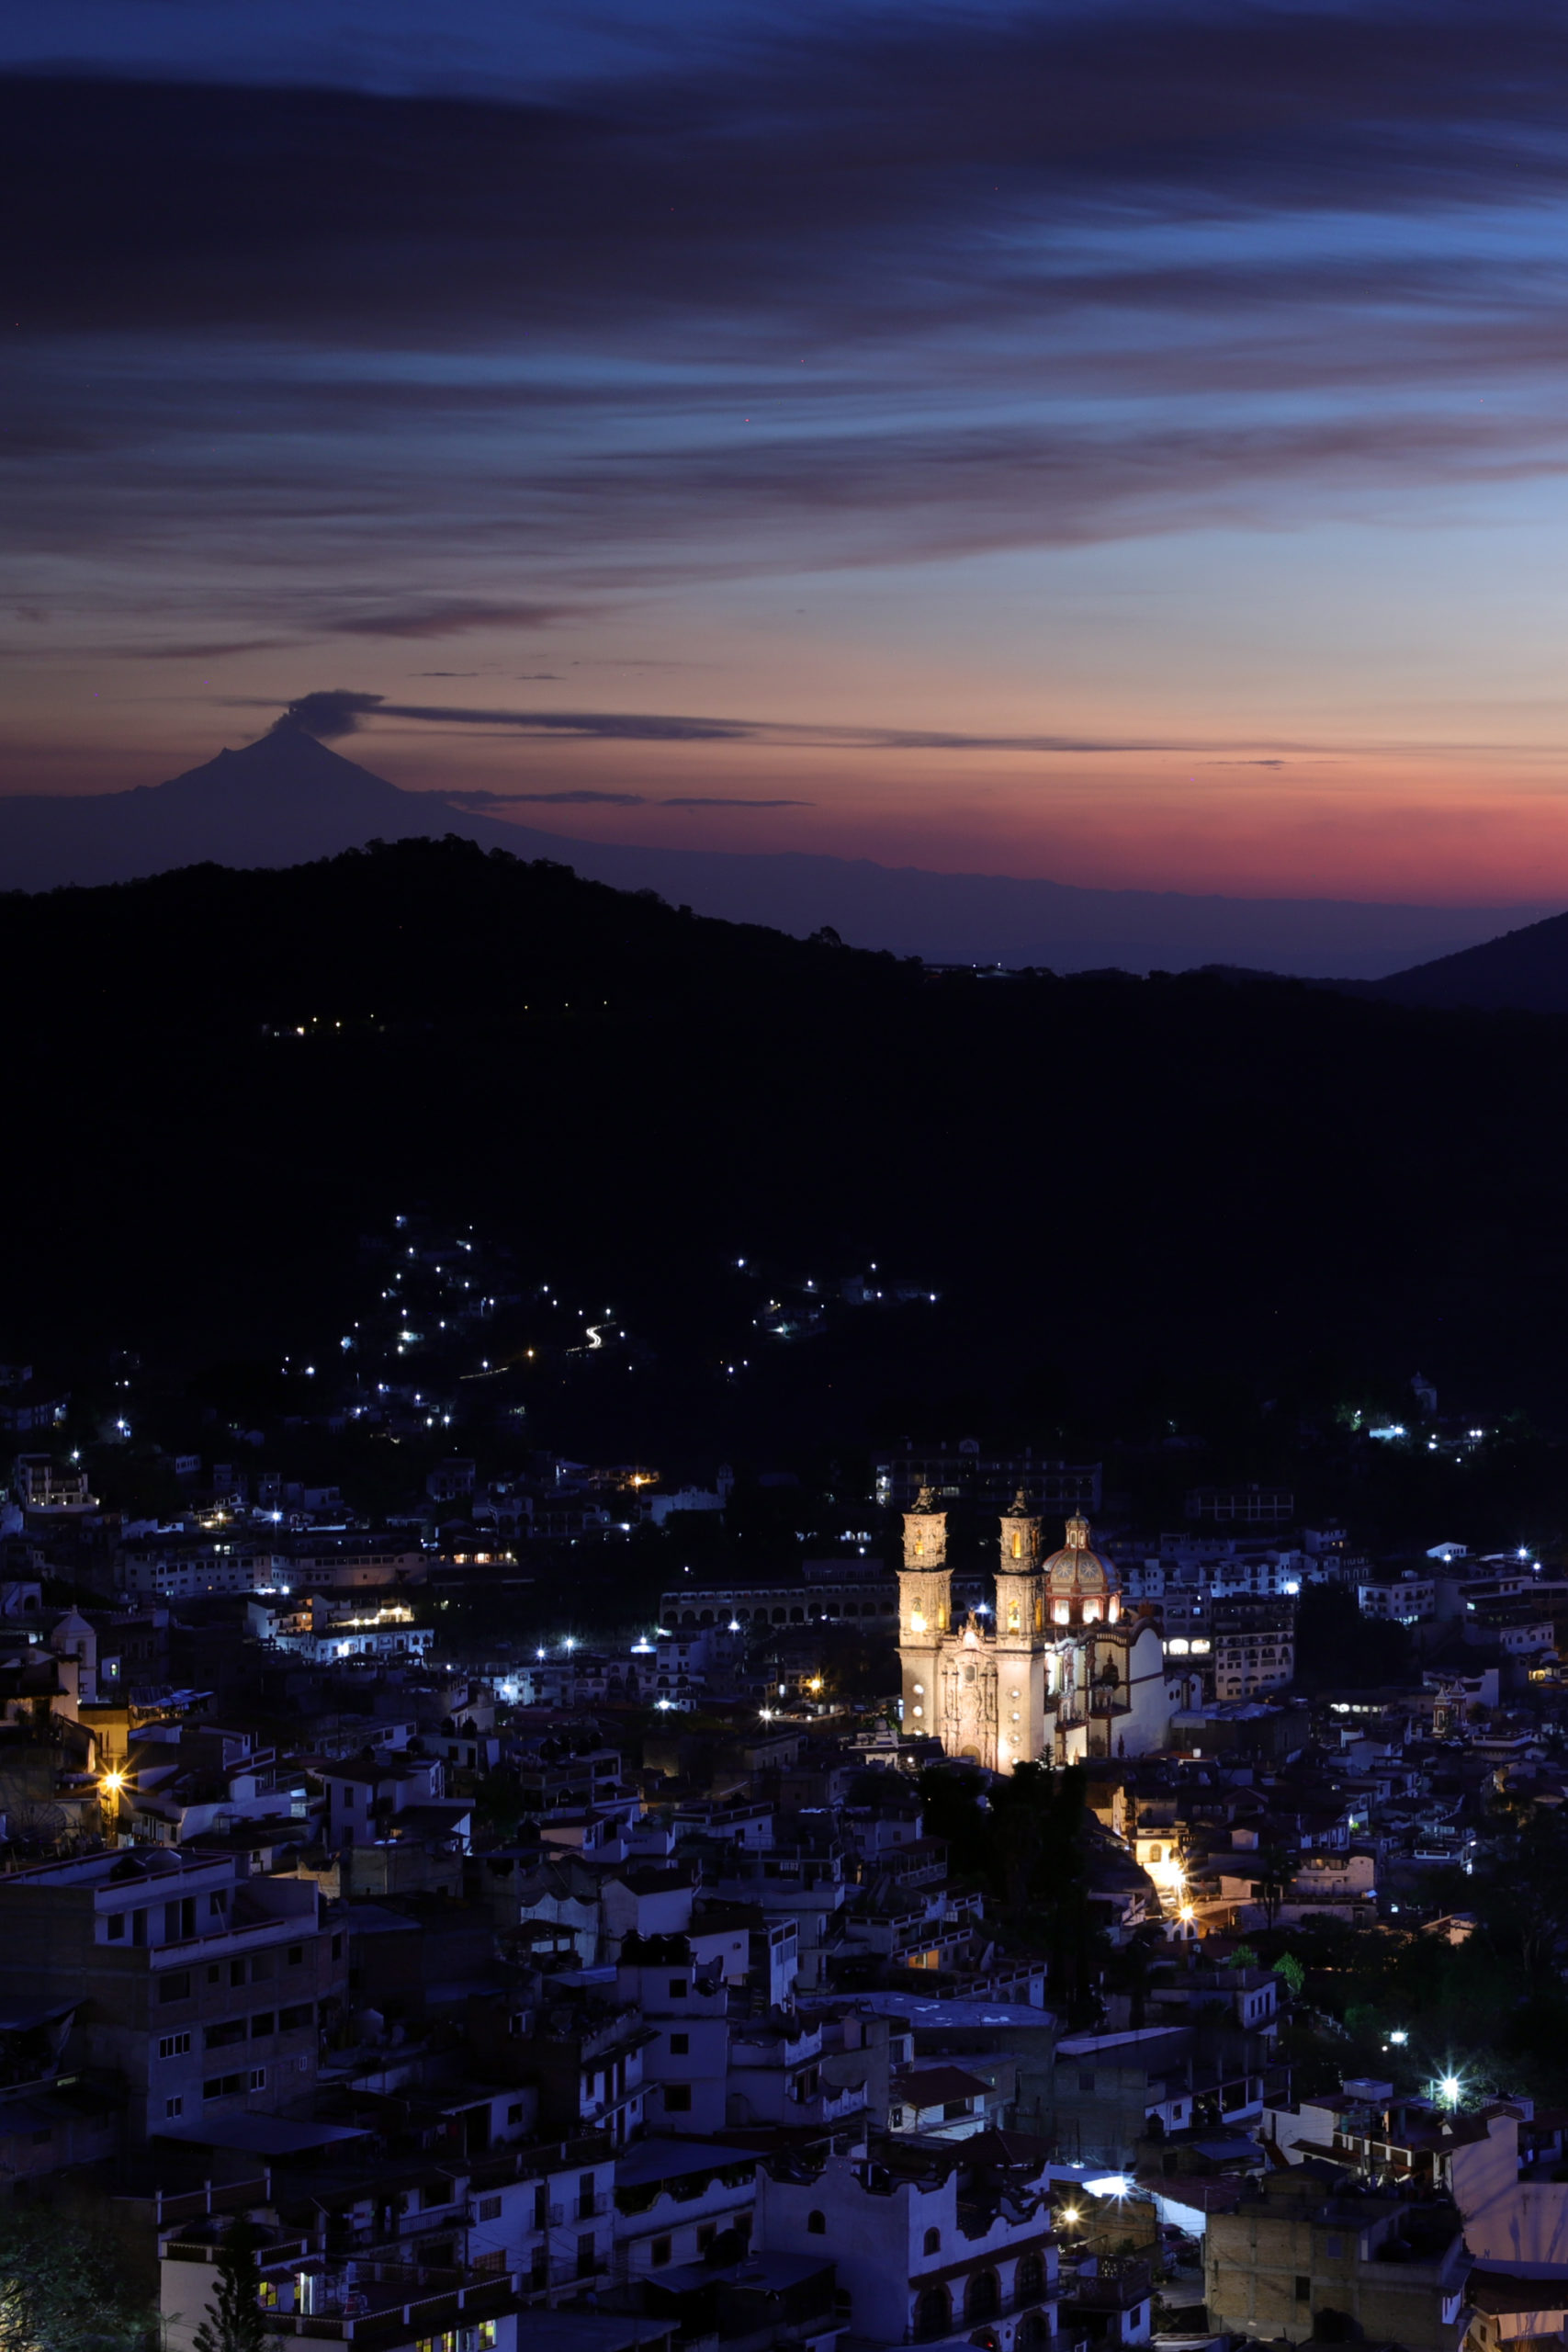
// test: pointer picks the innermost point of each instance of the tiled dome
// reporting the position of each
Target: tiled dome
(1077, 1571)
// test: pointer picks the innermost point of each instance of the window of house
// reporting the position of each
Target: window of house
(677, 1988)
(337, 1947)
(294, 1955)
(261, 2023)
(816, 2223)
(658, 2253)
(174, 2045)
(219, 2037)
(677, 2098)
(514, 2114)
(490, 2209)
(289, 2020)
(174, 1986)
(1303, 2290)
(114, 1927)
(679, 2046)
(174, 2107)
(258, 2078)
(932, 2241)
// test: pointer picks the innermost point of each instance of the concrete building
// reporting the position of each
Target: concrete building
(1300, 2260)
(927, 2242)
(201, 1986)
(1254, 1647)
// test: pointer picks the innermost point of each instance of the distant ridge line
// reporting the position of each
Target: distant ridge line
(287, 799)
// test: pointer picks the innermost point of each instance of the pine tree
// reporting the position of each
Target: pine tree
(236, 2324)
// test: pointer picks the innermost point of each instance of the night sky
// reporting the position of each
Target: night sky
(1124, 444)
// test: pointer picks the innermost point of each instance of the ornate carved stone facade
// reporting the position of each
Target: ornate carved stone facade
(1053, 1674)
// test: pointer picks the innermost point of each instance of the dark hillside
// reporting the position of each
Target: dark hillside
(1117, 1185)
(1525, 970)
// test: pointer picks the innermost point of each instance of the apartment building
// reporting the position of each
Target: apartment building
(201, 1986)
(1300, 2260)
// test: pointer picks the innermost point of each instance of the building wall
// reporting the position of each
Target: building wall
(1256, 2265)
(200, 2002)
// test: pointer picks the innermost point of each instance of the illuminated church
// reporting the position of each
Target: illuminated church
(1054, 1674)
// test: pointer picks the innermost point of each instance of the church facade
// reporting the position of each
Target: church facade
(1056, 1673)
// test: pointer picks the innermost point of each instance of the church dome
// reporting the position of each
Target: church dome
(1076, 1572)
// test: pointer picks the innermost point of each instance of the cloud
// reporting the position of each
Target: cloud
(881, 165)
(442, 618)
(858, 288)
(339, 710)
(331, 712)
(583, 799)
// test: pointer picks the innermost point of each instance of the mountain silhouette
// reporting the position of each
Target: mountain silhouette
(287, 799)
(1524, 971)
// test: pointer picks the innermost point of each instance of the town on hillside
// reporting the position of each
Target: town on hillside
(544, 1902)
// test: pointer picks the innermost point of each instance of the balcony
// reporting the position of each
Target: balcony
(368, 2303)
(925, 2328)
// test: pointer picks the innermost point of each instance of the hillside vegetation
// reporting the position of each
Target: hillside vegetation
(1116, 1184)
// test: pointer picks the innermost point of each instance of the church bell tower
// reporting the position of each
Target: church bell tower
(1021, 1639)
(925, 1603)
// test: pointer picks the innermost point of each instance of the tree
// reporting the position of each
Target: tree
(236, 2325)
(1337, 1648)
(63, 2287)
(1276, 1868)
